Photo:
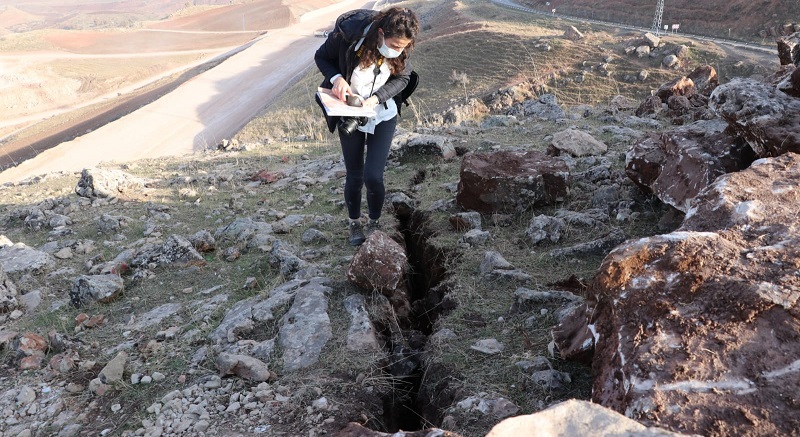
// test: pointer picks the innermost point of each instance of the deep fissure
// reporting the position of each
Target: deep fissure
(402, 407)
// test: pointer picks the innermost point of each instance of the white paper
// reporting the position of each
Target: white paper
(337, 108)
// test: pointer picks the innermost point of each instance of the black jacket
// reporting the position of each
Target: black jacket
(336, 56)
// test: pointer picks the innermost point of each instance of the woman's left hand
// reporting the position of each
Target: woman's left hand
(371, 102)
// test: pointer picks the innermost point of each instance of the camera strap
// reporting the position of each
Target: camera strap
(376, 71)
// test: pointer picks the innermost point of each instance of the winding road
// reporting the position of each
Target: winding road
(738, 44)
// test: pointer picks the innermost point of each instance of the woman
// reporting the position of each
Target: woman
(367, 56)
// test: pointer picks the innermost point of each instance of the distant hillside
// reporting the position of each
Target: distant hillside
(261, 14)
(84, 14)
(742, 18)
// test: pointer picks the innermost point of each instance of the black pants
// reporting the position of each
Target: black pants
(369, 171)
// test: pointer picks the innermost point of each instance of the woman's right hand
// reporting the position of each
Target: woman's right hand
(341, 88)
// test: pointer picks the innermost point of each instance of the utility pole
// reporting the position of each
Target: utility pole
(657, 19)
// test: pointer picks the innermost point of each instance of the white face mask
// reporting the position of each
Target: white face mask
(387, 52)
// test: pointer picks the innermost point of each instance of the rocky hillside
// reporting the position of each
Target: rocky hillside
(638, 253)
(723, 18)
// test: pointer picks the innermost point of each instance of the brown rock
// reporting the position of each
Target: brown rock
(789, 50)
(651, 105)
(33, 362)
(243, 366)
(381, 265)
(511, 181)
(30, 344)
(678, 164)
(572, 336)
(681, 86)
(705, 79)
(765, 117)
(62, 363)
(699, 330)
(266, 176)
(787, 80)
(94, 321)
(679, 104)
(80, 318)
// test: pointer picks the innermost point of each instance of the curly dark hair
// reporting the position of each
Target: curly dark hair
(395, 22)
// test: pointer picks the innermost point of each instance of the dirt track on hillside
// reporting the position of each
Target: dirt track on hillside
(200, 113)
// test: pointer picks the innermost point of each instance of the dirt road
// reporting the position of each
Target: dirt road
(201, 112)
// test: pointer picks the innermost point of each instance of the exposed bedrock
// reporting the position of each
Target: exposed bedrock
(699, 330)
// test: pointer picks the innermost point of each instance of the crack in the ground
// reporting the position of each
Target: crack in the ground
(403, 407)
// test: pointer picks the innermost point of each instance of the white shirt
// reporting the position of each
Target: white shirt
(361, 83)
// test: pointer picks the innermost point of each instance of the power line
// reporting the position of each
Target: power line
(657, 19)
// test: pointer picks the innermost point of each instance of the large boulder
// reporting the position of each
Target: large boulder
(789, 49)
(175, 249)
(682, 86)
(651, 40)
(97, 182)
(788, 81)
(247, 315)
(572, 33)
(306, 327)
(678, 164)
(511, 181)
(671, 61)
(650, 105)
(575, 418)
(545, 107)
(100, 288)
(382, 265)
(19, 259)
(705, 79)
(699, 329)
(423, 144)
(765, 117)
(243, 366)
(577, 143)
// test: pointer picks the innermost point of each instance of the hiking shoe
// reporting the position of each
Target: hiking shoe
(356, 233)
(372, 226)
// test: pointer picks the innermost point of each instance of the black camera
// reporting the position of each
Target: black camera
(348, 125)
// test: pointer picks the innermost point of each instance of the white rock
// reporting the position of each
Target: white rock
(158, 376)
(65, 253)
(575, 418)
(146, 379)
(115, 408)
(214, 382)
(488, 346)
(25, 396)
(201, 426)
(320, 404)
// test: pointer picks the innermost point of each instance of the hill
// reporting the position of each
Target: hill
(210, 294)
(756, 21)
